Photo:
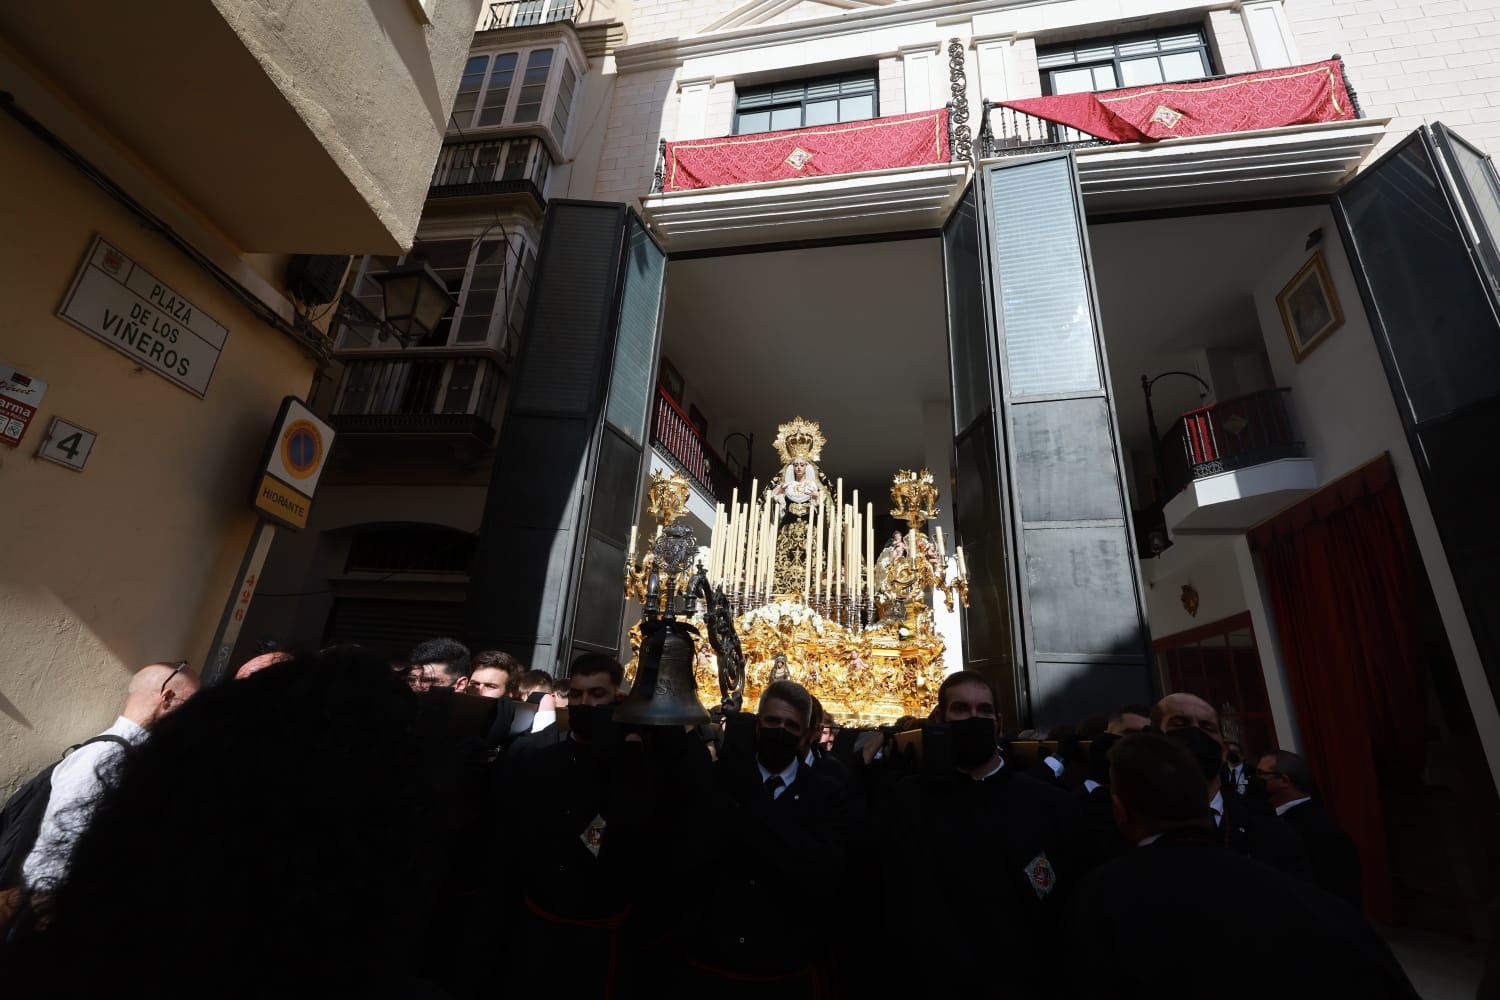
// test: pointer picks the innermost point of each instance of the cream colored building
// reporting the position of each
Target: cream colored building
(203, 144)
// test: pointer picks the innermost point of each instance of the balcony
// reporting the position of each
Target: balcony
(492, 167)
(674, 435)
(399, 393)
(522, 13)
(823, 182)
(1239, 137)
(1229, 466)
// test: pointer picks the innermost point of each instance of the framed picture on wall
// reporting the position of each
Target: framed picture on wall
(670, 380)
(1309, 308)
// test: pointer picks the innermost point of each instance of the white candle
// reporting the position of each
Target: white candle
(963, 571)
(734, 546)
(807, 561)
(770, 547)
(870, 550)
(630, 553)
(942, 552)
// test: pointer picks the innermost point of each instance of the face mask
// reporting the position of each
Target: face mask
(775, 748)
(973, 740)
(584, 720)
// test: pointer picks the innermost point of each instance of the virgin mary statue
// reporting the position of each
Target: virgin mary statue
(800, 496)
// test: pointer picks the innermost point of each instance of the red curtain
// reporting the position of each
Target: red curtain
(1343, 591)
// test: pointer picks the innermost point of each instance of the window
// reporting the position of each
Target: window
(534, 85)
(1105, 64)
(489, 279)
(826, 101)
(514, 88)
(563, 106)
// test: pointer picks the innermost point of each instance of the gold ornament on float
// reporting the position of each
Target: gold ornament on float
(809, 594)
(668, 496)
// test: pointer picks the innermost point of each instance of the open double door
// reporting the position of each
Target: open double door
(1056, 616)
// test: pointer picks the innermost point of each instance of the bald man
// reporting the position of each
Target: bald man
(79, 779)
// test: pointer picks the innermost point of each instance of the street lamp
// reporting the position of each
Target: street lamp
(1159, 539)
(415, 300)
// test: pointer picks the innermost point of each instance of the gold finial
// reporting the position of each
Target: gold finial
(914, 496)
(799, 439)
(668, 496)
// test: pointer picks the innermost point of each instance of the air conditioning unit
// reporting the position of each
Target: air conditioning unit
(315, 278)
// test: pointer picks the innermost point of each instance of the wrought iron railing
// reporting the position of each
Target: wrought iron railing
(675, 433)
(1232, 434)
(1008, 132)
(403, 393)
(489, 165)
(519, 13)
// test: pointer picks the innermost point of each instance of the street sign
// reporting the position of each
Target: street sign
(293, 464)
(20, 395)
(67, 444)
(121, 303)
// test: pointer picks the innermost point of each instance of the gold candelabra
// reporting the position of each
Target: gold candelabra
(921, 565)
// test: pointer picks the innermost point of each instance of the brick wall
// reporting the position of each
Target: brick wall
(1413, 61)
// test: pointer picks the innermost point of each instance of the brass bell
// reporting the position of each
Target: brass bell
(664, 693)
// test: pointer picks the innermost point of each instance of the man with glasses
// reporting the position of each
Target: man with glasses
(1293, 793)
(80, 778)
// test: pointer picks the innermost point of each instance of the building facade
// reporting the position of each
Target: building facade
(994, 314)
(164, 167)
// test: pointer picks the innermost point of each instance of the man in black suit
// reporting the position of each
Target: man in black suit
(980, 860)
(1293, 793)
(1264, 838)
(1155, 919)
(581, 809)
(773, 834)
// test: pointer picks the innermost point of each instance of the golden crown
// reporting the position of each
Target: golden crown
(799, 439)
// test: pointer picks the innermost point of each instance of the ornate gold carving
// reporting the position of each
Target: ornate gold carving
(668, 496)
(914, 496)
(799, 439)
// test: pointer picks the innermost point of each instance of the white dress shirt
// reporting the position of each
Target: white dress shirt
(76, 787)
(1055, 764)
(1281, 809)
(788, 775)
(1089, 784)
(1217, 805)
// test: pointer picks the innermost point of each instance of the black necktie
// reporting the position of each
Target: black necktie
(771, 785)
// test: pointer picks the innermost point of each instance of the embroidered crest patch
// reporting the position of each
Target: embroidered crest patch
(798, 158)
(1043, 877)
(1165, 116)
(593, 835)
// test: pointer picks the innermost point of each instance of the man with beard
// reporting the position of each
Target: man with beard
(981, 859)
(775, 832)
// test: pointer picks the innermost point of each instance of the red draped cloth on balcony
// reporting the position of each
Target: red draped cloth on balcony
(1341, 581)
(850, 147)
(1295, 95)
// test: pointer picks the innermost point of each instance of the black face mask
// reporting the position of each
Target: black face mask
(584, 720)
(972, 740)
(776, 748)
